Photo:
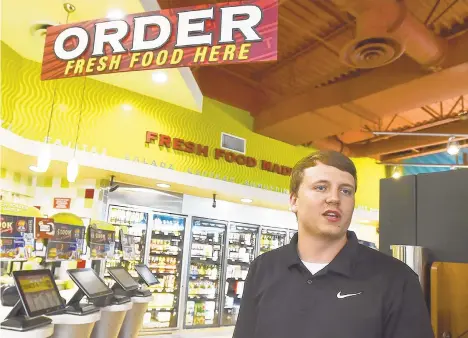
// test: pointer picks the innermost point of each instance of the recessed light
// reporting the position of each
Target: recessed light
(115, 14)
(246, 200)
(159, 76)
(163, 185)
(126, 107)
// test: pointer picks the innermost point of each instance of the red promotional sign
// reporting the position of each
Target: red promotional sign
(223, 33)
(62, 203)
(44, 228)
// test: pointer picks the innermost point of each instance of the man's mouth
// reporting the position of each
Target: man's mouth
(332, 215)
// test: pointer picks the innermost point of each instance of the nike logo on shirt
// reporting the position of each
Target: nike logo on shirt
(340, 296)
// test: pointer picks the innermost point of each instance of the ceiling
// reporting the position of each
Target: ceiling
(23, 25)
(347, 68)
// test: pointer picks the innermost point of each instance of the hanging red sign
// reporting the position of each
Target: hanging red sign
(62, 203)
(233, 32)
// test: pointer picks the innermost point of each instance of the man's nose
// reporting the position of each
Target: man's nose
(333, 197)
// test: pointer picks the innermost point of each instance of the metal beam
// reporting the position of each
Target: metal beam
(430, 151)
(409, 142)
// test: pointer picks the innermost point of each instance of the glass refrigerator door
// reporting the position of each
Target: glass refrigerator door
(271, 239)
(132, 223)
(205, 273)
(242, 251)
(165, 261)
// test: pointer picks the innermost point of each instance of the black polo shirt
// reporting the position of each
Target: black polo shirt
(362, 293)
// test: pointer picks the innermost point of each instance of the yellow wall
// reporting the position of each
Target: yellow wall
(26, 104)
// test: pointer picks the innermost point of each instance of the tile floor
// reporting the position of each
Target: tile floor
(211, 333)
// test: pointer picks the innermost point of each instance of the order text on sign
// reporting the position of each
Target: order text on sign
(201, 35)
(62, 203)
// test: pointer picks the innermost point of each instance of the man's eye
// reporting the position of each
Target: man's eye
(320, 188)
(347, 191)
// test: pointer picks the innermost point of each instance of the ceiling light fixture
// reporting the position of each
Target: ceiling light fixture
(44, 157)
(115, 14)
(396, 173)
(453, 148)
(163, 185)
(246, 200)
(159, 76)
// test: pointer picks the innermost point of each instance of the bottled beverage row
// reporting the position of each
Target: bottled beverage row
(126, 217)
(242, 238)
(203, 270)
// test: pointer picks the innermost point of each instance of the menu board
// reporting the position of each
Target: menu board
(66, 242)
(16, 237)
(101, 243)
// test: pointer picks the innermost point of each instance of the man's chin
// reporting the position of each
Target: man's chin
(333, 231)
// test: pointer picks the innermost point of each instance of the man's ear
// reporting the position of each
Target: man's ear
(293, 202)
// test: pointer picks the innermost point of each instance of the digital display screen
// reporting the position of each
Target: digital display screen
(146, 274)
(89, 281)
(123, 278)
(39, 291)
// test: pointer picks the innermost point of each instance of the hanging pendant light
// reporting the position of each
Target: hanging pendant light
(44, 157)
(72, 170)
(45, 153)
(73, 167)
(453, 148)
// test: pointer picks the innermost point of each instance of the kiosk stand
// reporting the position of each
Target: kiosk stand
(140, 297)
(79, 319)
(112, 307)
(39, 296)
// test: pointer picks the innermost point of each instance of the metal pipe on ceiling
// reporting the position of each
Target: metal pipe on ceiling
(418, 134)
(438, 165)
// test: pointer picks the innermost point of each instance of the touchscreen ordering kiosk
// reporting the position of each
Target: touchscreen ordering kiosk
(39, 296)
(125, 284)
(95, 289)
(146, 276)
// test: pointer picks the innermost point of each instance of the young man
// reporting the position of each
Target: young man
(324, 284)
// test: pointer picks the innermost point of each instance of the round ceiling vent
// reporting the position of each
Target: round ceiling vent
(371, 52)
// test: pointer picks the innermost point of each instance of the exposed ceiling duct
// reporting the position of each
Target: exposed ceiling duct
(385, 30)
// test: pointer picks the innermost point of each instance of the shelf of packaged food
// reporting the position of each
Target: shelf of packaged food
(201, 298)
(207, 242)
(214, 279)
(204, 260)
(164, 254)
(235, 279)
(236, 262)
(171, 235)
(246, 246)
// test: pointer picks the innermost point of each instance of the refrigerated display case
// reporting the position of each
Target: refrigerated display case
(205, 273)
(272, 238)
(242, 250)
(165, 255)
(130, 224)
